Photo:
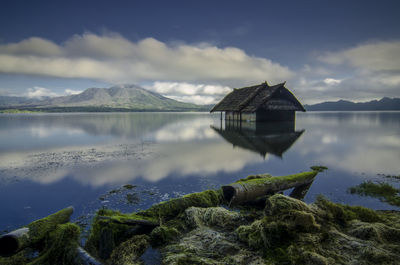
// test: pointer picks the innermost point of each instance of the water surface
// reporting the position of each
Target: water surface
(51, 161)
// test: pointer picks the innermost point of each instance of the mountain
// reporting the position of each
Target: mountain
(10, 101)
(382, 104)
(124, 97)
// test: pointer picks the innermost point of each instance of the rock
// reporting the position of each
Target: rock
(213, 217)
(130, 251)
(286, 231)
(375, 231)
(163, 234)
(279, 203)
(312, 258)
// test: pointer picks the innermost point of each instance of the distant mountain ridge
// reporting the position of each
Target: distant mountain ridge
(129, 97)
(344, 105)
(13, 100)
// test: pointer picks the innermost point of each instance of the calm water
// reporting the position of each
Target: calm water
(51, 161)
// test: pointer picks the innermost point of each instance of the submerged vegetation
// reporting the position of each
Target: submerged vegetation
(383, 191)
(203, 228)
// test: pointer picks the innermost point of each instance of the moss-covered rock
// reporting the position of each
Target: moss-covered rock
(130, 251)
(293, 232)
(111, 228)
(194, 229)
(378, 232)
(52, 237)
(312, 258)
(106, 234)
(61, 246)
(279, 203)
(213, 216)
(39, 229)
(163, 234)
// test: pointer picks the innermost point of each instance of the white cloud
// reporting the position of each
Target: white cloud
(113, 58)
(332, 81)
(196, 99)
(193, 93)
(40, 92)
(378, 63)
(365, 72)
(32, 46)
(316, 70)
(71, 92)
(378, 56)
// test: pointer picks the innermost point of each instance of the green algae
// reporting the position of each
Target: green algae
(41, 236)
(109, 233)
(287, 231)
(39, 229)
(163, 234)
(22, 257)
(106, 234)
(342, 214)
(132, 198)
(267, 179)
(396, 177)
(278, 203)
(378, 232)
(129, 186)
(60, 247)
(212, 216)
(171, 208)
(383, 191)
(319, 168)
(130, 251)
(293, 232)
(261, 176)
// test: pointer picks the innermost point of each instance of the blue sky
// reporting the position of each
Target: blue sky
(196, 51)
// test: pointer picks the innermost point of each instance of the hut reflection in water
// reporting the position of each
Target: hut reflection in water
(261, 137)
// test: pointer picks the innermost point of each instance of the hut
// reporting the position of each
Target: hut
(259, 103)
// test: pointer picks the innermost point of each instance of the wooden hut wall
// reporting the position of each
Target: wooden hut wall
(249, 116)
(275, 115)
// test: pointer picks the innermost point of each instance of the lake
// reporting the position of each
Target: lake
(51, 161)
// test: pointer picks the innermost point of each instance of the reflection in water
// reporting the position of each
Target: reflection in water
(41, 154)
(261, 137)
(168, 144)
(363, 142)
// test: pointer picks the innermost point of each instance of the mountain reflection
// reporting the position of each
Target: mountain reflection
(98, 149)
(264, 138)
(111, 148)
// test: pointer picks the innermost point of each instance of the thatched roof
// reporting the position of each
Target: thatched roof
(250, 99)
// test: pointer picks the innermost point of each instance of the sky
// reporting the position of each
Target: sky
(197, 51)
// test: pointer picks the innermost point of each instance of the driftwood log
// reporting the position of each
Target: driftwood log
(254, 187)
(34, 233)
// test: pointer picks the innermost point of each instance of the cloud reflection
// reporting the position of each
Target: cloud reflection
(353, 142)
(181, 148)
(159, 146)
